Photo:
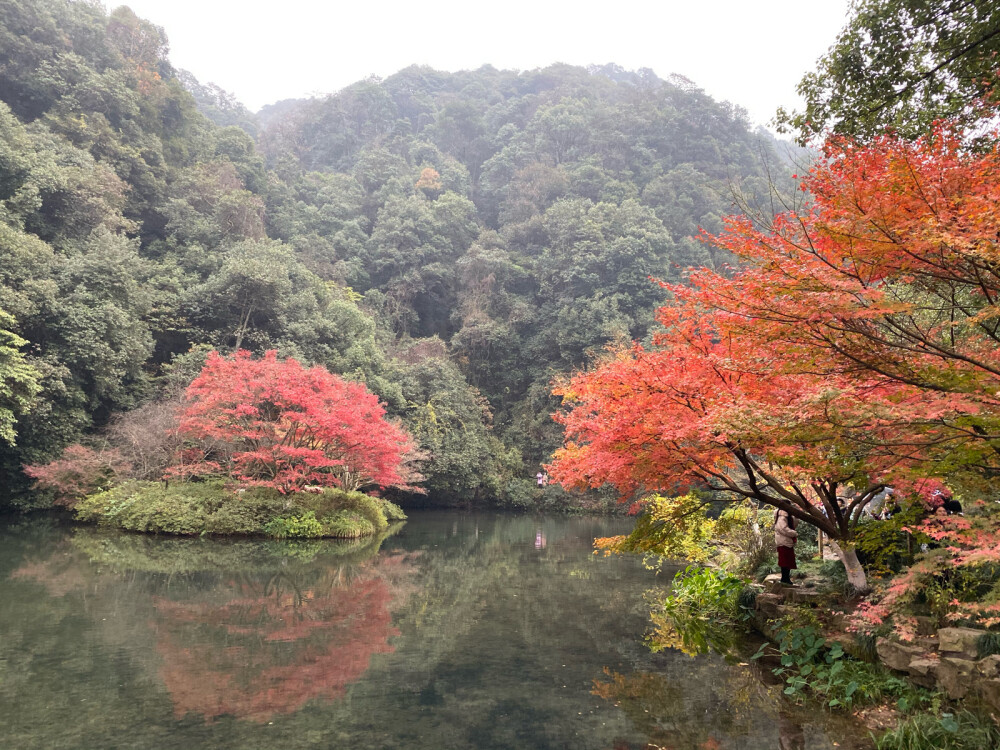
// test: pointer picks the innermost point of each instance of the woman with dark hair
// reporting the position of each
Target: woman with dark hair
(785, 537)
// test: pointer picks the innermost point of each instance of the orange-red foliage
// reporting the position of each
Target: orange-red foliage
(715, 413)
(891, 278)
(860, 343)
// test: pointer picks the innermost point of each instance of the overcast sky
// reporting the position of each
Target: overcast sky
(748, 52)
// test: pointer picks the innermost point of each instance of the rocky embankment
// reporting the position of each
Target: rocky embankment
(944, 659)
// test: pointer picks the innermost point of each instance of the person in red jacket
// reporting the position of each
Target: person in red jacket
(785, 537)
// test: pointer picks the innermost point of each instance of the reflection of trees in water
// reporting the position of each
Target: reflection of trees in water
(262, 641)
(274, 645)
(58, 573)
(661, 709)
(500, 642)
(153, 554)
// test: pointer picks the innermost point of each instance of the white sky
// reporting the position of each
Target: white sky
(750, 52)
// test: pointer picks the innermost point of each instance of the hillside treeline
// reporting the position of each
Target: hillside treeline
(455, 241)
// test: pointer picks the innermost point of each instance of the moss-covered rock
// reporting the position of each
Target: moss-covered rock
(190, 508)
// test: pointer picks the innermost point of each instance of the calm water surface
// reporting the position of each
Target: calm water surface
(460, 630)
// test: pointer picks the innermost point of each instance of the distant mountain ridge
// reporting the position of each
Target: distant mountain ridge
(454, 240)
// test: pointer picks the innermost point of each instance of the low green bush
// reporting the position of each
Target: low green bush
(820, 669)
(876, 684)
(521, 494)
(332, 500)
(767, 567)
(348, 524)
(864, 647)
(392, 511)
(931, 731)
(305, 526)
(988, 644)
(887, 547)
(190, 508)
(368, 507)
(154, 507)
(747, 599)
(810, 665)
(702, 613)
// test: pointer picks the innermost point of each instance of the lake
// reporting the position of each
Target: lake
(460, 630)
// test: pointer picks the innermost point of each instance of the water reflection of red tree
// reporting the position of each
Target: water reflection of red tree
(273, 646)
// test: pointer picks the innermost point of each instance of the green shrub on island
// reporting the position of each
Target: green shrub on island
(189, 508)
(392, 511)
(349, 524)
(291, 527)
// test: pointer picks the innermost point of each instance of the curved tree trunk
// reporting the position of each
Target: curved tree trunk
(855, 573)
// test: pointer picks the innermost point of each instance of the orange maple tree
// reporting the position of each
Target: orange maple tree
(704, 410)
(891, 276)
(857, 345)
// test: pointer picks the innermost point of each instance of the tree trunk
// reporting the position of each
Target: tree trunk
(855, 573)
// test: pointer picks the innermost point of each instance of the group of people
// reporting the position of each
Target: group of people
(940, 506)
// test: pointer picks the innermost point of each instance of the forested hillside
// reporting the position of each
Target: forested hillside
(455, 241)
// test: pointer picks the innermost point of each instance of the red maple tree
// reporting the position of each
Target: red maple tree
(274, 423)
(700, 409)
(79, 472)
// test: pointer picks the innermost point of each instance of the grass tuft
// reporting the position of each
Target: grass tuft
(988, 644)
(963, 730)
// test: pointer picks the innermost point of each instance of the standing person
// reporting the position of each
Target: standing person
(785, 537)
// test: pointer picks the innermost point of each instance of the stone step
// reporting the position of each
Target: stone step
(962, 642)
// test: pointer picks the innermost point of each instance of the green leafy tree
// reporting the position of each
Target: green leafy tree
(18, 380)
(452, 423)
(902, 64)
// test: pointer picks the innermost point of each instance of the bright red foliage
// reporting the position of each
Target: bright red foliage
(273, 423)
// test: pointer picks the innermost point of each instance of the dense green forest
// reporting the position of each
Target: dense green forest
(453, 240)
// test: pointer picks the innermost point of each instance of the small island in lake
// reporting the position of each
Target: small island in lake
(257, 447)
(212, 508)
